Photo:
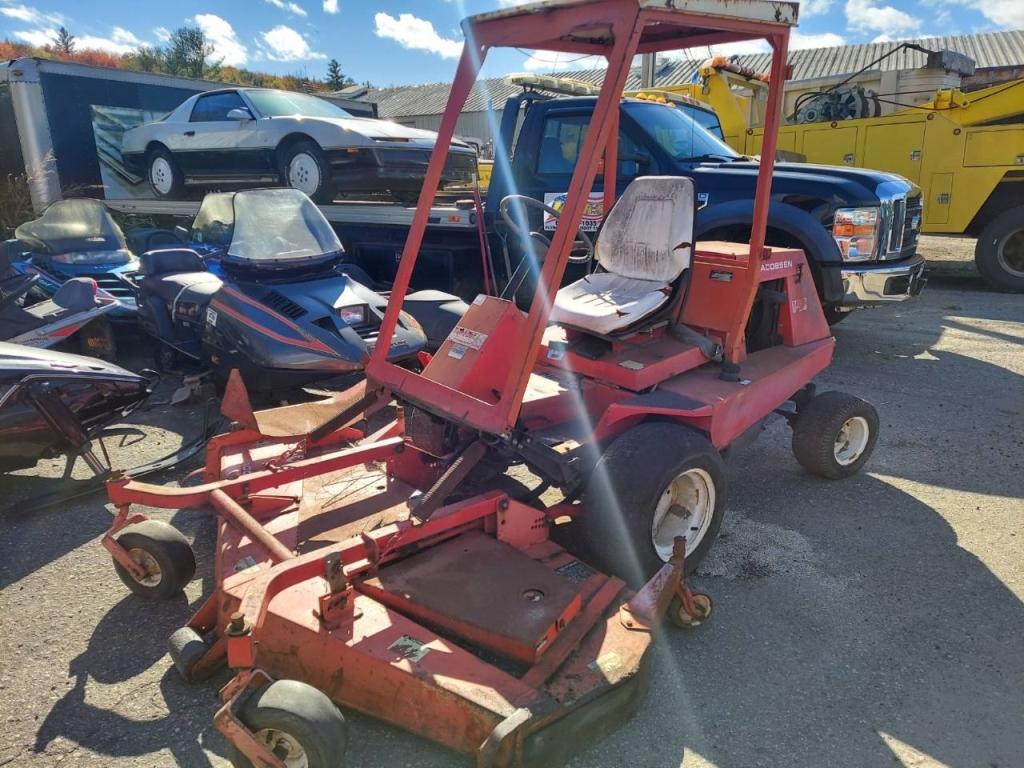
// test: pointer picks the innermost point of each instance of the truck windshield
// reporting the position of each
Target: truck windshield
(279, 225)
(285, 104)
(677, 133)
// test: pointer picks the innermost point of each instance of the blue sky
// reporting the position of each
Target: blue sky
(393, 42)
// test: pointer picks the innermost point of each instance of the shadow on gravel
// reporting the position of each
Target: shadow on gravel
(126, 643)
(853, 636)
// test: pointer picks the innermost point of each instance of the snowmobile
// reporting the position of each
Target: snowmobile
(52, 403)
(262, 288)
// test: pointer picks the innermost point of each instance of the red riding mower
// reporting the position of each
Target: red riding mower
(366, 568)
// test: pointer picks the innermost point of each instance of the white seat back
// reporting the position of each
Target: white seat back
(648, 234)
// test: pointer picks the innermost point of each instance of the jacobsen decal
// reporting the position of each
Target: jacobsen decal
(467, 337)
(774, 266)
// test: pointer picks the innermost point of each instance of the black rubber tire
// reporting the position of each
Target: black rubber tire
(177, 177)
(833, 316)
(986, 252)
(631, 476)
(304, 713)
(186, 647)
(166, 358)
(326, 191)
(169, 548)
(817, 425)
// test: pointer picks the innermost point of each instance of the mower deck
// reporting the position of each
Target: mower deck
(479, 633)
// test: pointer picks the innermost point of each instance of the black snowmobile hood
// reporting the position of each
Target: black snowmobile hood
(18, 361)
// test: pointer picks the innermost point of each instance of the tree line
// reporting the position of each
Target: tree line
(187, 53)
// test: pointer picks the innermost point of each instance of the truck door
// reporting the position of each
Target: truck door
(216, 145)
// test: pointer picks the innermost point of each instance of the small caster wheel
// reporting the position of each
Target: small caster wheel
(834, 434)
(163, 553)
(682, 619)
(296, 722)
(186, 647)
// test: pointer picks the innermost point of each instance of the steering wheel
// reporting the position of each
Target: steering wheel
(582, 240)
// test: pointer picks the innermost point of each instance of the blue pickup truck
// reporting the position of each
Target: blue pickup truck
(859, 228)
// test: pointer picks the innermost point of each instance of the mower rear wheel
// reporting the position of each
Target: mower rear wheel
(297, 722)
(186, 647)
(655, 482)
(834, 434)
(163, 552)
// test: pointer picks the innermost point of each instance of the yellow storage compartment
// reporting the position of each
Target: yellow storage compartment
(995, 145)
(896, 148)
(938, 198)
(830, 146)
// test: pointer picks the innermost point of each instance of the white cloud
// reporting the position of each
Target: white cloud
(121, 41)
(285, 44)
(553, 61)
(799, 41)
(162, 34)
(38, 38)
(295, 8)
(1008, 14)
(226, 46)
(866, 16)
(31, 15)
(814, 7)
(418, 34)
(330, 6)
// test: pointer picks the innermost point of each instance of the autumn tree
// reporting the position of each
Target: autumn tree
(65, 42)
(187, 53)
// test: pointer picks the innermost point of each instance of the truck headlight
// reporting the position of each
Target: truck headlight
(856, 232)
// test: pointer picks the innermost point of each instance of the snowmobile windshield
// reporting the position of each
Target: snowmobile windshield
(80, 226)
(276, 228)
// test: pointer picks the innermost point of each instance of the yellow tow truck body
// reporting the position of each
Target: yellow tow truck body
(964, 149)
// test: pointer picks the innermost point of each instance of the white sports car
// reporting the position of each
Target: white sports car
(259, 136)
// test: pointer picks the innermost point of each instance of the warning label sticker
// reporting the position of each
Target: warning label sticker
(467, 337)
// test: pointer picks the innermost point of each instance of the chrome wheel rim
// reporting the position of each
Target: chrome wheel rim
(161, 175)
(852, 440)
(304, 173)
(287, 748)
(1010, 253)
(149, 564)
(685, 508)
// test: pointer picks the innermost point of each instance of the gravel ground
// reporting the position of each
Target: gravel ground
(872, 622)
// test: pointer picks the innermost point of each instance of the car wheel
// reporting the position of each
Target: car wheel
(165, 178)
(305, 168)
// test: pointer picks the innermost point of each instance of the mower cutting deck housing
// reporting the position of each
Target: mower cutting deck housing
(385, 569)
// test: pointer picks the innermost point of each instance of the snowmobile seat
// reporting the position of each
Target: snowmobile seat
(169, 260)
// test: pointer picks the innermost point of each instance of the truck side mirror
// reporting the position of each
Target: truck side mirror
(240, 114)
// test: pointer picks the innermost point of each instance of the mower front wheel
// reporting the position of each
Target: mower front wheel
(657, 481)
(186, 647)
(834, 434)
(165, 555)
(296, 722)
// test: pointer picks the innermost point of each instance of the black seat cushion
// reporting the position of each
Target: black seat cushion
(182, 287)
(153, 263)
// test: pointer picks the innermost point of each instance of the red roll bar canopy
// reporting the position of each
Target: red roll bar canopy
(616, 30)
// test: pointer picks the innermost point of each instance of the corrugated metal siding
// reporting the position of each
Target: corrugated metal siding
(990, 49)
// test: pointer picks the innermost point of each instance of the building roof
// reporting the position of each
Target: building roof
(989, 49)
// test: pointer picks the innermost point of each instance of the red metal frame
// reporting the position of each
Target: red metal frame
(625, 23)
(315, 615)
